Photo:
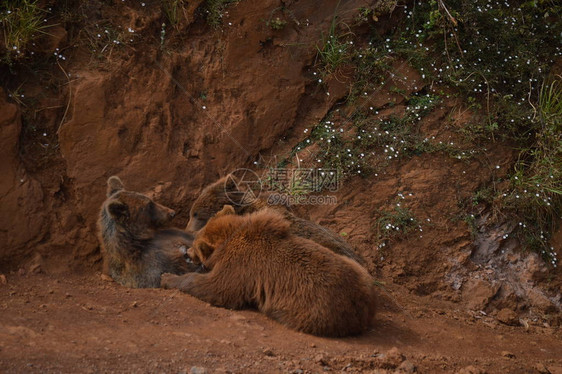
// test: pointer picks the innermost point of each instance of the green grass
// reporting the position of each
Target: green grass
(491, 51)
(276, 23)
(172, 10)
(535, 191)
(364, 144)
(214, 11)
(22, 22)
(498, 55)
(335, 48)
(396, 223)
(104, 37)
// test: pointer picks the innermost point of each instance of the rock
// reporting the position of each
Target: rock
(555, 369)
(541, 368)
(554, 320)
(106, 278)
(508, 354)
(320, 360)
(394, 357)
(471, 370)
(268, 352)
(197, 370)
(3, 279)
(535, 268)
(35, 268)
(507, 298)
(478, 293)
(540, 301)
(407, 367)
(508, 317)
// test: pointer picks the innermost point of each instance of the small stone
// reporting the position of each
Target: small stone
(67, 295)
(312, 345)
(471, 370)
(478, 293)
(197, 370)
(540, 301)
(134, 304)
(394, 357)
(268, 352)
(106, 278)
(508, 317)
(321, 360)
(508, 354)
(35, 269)
(407, 367)
(3, 279)
(541, 368)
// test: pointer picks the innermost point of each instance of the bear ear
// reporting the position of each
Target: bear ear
(118, 210)
(114, 184)
(204, 250)
(225, 211)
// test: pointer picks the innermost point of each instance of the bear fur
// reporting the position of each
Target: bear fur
(136, 246)
(256, 261)
(225, 191)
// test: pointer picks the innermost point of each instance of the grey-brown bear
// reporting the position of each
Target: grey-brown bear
(136, 245)
(226, 191)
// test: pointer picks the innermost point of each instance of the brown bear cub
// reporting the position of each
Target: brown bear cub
(136, 248)
(225, 191)
(255, 260)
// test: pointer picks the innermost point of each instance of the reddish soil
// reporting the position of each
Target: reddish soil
(82, 323)
(171, 118)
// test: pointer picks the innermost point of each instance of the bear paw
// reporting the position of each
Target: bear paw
(168, 281)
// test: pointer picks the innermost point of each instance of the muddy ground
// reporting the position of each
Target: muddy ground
(81, 323)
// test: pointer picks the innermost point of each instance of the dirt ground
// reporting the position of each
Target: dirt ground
(82, 323)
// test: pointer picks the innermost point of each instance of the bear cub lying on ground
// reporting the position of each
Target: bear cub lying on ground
(225, 191)
(136, 249)
(256, 261)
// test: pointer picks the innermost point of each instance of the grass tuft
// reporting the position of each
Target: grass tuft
(22, 21)
(214, 11)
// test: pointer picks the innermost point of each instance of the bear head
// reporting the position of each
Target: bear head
(212, 199)
(211, 236)
(132, 212)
